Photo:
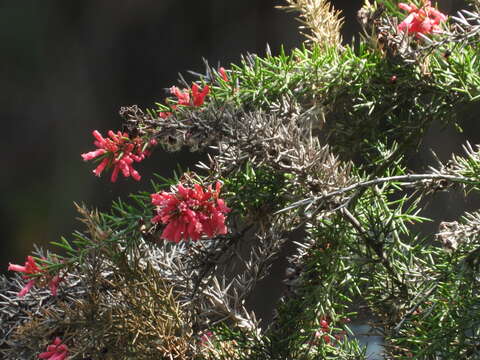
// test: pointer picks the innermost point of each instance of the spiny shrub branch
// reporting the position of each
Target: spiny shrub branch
(307, 149)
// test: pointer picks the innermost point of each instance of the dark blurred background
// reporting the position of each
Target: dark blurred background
(66, 67)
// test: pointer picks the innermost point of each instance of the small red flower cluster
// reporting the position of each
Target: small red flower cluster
(55, 351)
(190, 213)
(31, 268)
(197, 96)
(183, 97)
(324, 331)
(118, 151)
(424, 20)
(223, 74)
(206, 338)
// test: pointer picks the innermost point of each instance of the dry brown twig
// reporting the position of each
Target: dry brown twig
(320, 18)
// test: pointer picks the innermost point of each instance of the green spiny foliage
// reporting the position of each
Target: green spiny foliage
(257, 191)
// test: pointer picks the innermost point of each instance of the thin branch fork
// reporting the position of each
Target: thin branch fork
(403, 180)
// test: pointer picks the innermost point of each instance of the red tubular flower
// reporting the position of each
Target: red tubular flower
(28, 286)
(324, 324)
(55, 351)
(30, 268)
(53, 284)
(164, 114)
(190, 213)
(223, 74)
(119, 152)
(424, 20)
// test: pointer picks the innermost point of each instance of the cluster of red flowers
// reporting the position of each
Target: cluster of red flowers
(190, 213)
(184, 99)
(197, 97)
(324, 331)
(55, 351)
(118, 151)
(33, 273)
(424, 20)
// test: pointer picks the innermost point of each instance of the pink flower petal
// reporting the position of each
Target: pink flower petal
(93, 154)
(407, 7)
(135, 175)
(114, 176)
(19, 268)
(45, 355)
(54, 287)
(55, 351)
(26, 288)
(223, 74)
(99, 169)
(98, 136)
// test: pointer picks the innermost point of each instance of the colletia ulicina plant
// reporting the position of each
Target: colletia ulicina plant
(317, 139)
